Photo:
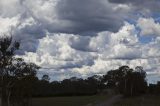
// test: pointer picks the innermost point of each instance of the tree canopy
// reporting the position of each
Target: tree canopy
(15, 74)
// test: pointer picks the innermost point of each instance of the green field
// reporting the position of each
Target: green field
(69, 101)
(147, 100)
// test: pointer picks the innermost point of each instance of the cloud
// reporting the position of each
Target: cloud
(144, 7)
(10, 8)
(68, 16)
(148, 26)
(120, 45)
(61, 56)
(83, 37)
(91, 15)
(32, 19)
(7, 24)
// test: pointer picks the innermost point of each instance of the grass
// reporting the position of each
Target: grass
(69, 101)
(147, 100)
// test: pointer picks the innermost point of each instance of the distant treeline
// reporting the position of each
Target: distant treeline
(68, 87)
(124, 80)
(154, 88)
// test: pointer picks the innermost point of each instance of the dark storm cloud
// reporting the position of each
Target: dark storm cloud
(86, 16)
(89, 15)
(28, 37)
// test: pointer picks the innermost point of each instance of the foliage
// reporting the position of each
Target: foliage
(68, 87)
(124, 80)
(127, 81)
(15, 75)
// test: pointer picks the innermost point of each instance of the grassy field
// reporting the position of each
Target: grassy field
(69, 101)
(147, 100)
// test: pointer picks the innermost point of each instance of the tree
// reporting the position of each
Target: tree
(13, 72)
(21, 91)
(45, 78)
(114, 77)
(129, 82)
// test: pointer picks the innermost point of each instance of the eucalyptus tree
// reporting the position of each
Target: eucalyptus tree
(13, 73)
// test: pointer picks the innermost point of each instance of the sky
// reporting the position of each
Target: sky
(80, 38)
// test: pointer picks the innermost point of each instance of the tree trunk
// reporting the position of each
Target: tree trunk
(125, 87)
(131, 89)
(8, 98)
(3, 93)
(3, 97)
